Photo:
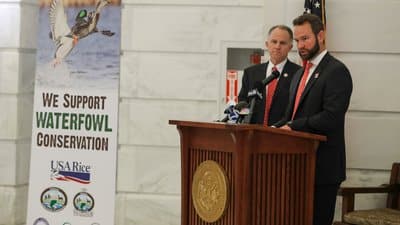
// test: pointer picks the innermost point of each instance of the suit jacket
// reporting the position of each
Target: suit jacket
(322, 110)
(280, 99)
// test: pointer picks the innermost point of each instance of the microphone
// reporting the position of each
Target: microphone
(227, 112)
(257, 92)
(233, 116)
(242, 106)
(235, 113)
(275, 74)
(243, 110)
(253, 95)
(240, 110)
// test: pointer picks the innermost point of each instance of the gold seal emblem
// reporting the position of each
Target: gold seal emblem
(210, 191)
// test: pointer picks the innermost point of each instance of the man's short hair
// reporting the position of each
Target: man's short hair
(282, 27)
(313, 20)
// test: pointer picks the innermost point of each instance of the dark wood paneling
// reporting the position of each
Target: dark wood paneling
(278, 195)
(270, 172)
(225, 160)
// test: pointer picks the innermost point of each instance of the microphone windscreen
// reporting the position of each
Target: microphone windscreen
(241, 105)
(233, 117)
(244, 111)
(229, 109)
(275, 74)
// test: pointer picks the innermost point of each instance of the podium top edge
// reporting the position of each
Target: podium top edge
(244, 127)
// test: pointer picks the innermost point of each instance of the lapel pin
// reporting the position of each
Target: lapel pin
(285, 75)
(316, 75)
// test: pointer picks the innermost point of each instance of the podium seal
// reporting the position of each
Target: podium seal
(210, 191)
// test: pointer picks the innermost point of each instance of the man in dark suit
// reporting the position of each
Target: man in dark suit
(319, 97)
(272, 106)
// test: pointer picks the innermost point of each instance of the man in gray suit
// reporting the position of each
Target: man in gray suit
(319, 97)
(272, 106)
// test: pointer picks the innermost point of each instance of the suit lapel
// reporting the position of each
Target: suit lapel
(296, 81)
(285, 72)
(293, 88)
(314, 76)
(262, 73)
(282, 79)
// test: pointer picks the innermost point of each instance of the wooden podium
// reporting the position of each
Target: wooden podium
(269, 171)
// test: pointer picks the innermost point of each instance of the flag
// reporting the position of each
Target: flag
(316, 7)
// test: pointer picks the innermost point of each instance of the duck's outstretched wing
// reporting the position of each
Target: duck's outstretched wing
(93, 18)
(64, 47)
(58, 20)
(100, 5)
(60, 31)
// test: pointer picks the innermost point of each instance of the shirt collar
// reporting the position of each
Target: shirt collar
(279, 66)
(317, 59)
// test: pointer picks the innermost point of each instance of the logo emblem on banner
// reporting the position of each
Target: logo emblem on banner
(70, 171)
(53, 199)
(83, 203)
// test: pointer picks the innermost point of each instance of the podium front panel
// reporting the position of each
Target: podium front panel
(278, 189)
(224, 159)
(270, 172)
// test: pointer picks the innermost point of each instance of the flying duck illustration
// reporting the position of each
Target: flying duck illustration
(64, 37)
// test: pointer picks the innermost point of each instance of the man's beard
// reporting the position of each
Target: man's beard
(312, 52)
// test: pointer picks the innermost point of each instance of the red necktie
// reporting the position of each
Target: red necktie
(269, 95)
(302, 85)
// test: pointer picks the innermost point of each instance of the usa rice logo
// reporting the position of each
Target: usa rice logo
(74, 171)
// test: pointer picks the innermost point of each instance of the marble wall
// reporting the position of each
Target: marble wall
(170, 70)
(17, 59)
(172, 67)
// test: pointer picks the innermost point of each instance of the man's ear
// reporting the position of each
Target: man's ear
(321, 36)
(266, 44)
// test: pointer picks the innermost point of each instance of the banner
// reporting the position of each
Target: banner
(75, 116)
